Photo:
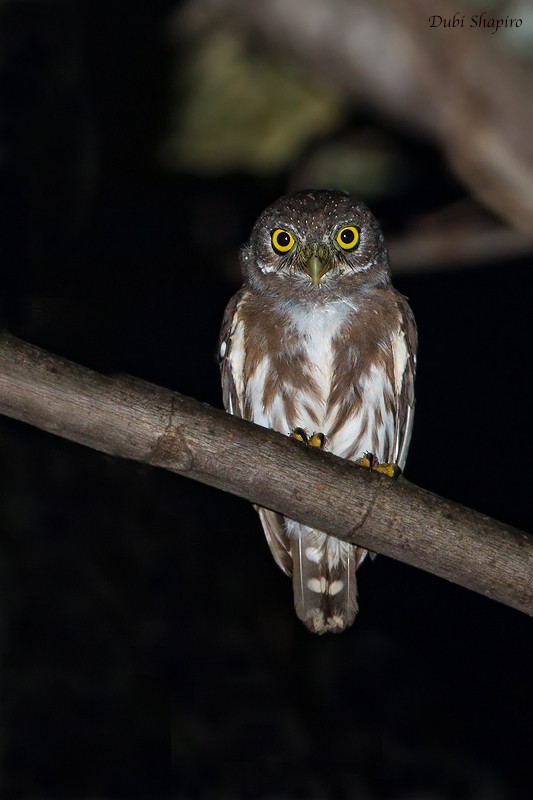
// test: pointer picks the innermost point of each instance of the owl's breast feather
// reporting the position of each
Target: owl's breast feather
(319, 369)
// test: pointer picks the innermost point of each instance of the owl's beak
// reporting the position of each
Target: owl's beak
(316, 267)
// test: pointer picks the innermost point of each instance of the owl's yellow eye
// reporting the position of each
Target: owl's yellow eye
(282, 240)
(348, 237)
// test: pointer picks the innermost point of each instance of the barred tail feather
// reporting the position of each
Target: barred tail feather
(324, 583)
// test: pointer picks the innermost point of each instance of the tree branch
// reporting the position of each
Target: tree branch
(130, 418)
(426, 252)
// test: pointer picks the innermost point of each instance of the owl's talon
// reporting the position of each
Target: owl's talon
(369, 461)
(300, 435)
(317, 440)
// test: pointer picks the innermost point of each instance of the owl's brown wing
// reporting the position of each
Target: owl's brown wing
(230, 350)
(276, 536)
(230, 397)
(406, 400)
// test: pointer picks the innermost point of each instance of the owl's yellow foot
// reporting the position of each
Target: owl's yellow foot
(391, 470)
(369, 461)
(300, 435)
(366, 461)
(315, 440)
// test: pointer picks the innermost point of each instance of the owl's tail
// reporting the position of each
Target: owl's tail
(324, 584)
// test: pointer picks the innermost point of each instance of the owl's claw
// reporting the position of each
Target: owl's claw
(369, 461)
(317, 439)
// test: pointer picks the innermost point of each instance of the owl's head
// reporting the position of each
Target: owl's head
(318, 243)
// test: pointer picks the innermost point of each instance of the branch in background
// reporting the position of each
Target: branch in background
(419, 253)
(130, 418)
(457, 236)
(456, 86)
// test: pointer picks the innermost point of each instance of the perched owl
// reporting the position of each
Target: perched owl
(318, 345)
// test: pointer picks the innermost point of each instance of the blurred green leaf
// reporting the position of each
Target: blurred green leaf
(239, 109)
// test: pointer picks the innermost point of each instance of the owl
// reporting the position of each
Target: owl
(318, 345)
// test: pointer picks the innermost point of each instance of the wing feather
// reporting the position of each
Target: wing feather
(231, 365)
(233, 402)
(276, 536)
(405, 389)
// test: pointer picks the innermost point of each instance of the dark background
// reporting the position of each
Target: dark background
(148, 646)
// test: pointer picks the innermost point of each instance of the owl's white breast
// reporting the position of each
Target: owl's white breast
(316, 328)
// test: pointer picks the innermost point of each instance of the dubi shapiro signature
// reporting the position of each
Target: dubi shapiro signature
(475, 21)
